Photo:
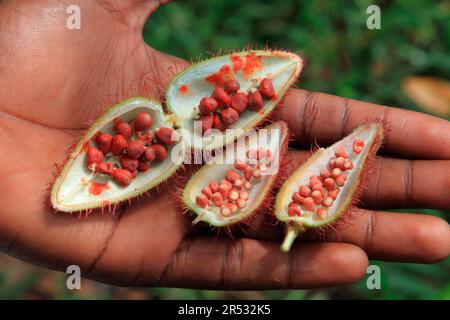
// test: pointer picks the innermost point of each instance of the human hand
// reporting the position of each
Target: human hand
(54, 80)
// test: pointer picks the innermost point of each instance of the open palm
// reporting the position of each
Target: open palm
(54, 80)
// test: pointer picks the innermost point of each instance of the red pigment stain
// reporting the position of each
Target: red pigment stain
(237, 63)
(220, 77)
(183, 89)
(252, 64)
(97, 188)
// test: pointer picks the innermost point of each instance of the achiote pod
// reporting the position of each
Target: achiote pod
(323, 188)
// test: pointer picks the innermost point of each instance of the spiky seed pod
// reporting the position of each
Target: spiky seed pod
(339, 189)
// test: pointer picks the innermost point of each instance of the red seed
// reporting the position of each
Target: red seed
(143, 121)
(248, 173)
(317, 186)
(348, 165)
(143, 165)
(358, 145)
(327, 202)
(239, 102)
(149, 154)
(336, 172)
(238, 184)
(332, 164)
(166, 136)
(340, 181)
(243, 195)
(116, 122)
(340, 152)
(325, 173)
(93, 156)
(135, 149)
(207, 192)
(313, 180)
(321, 213)
(333, 193)
(297, 198)
(224, 189)
(104, 141)
(225, 211)
(124, 129)
(104, 168)
(217, 199)
(207, 105)
(234, 208)
(214, 186)
(201, 200)
(231, 86)
(118, 145)
(207, 122)
(304, 191)
(266, 88)
(240, 165)
(294, 210)
(232, 176)
(129, 164)
(257, 174)
(340, 162)
(160, 151)
(247, 185)
(222, 97)
(122, 177)
(217, 123)
(328, 183)
(317, 196)
(308, 203)
(229, 116)
(233, 195)
(224, 181)
(241, 203)
(255, 101)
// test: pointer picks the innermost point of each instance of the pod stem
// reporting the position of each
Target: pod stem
(292, 232)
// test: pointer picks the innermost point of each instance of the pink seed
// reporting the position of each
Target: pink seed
(233, 195)
(333, 193)
(313, 180)
(340, 162)
(340, 152)
(304, 191)
(340, 181)
(234, 208)
(297, 198)
(317, 196)
(223, 190)
(225, 182)
(232, 176)
(257, 174)
(217, 199)
(241, 203)
(308, 203)
(294, 210)
(321, 213)
(247, 185)
(238, 184)
(243, 195)
(336, 172)
(225, 211)
(348, 165)
(240, 165)
(325, 173)
(201, 200)
(207, 192)
(332, 164)
(317, 186)
(328, 183)
(358, 145)
(248, 173)
(214, 186)
(327, 202)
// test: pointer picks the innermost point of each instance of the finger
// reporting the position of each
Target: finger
(251, 264)
(325, 118)
(396, 236)
(382, 235)
(396, 183)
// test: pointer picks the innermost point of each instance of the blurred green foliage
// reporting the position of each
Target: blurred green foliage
(344, 58)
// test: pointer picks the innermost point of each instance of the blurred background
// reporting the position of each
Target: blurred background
(405, 64)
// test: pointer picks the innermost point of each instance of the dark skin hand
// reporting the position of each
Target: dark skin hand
(54, 80)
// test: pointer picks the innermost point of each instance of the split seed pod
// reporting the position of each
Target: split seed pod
(323, 188)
